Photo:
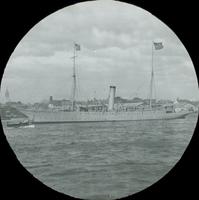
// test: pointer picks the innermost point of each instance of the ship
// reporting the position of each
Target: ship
(108, 112)
(20, 124)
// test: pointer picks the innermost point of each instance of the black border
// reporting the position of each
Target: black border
(18, 17)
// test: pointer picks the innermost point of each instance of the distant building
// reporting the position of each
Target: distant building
(59, 104)
(9, 112)
(147, 101)
(16, 104)
(164, 101)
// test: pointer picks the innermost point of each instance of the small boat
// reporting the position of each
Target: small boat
(21, 124)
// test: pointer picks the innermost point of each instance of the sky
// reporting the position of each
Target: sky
(116, 49)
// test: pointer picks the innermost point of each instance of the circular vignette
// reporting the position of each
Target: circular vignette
(194, 135)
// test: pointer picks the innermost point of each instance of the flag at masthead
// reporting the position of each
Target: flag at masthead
(158, 45)
(77, 47)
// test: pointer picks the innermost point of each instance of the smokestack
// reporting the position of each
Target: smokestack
(111, 98)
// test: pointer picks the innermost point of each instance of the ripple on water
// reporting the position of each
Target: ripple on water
(101, 160)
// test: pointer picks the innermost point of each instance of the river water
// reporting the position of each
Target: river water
(102, 160)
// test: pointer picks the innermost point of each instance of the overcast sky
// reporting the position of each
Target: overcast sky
(116, 47)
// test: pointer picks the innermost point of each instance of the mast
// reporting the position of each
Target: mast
(74, 80)
(152, 78)
(76, 48)
(155, 46)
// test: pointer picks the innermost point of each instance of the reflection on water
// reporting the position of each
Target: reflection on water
(102, 160)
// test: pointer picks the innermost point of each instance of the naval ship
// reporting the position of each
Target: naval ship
(109, 112)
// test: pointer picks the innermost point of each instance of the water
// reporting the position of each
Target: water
(102, 160)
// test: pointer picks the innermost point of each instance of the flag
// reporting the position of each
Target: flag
(158, 45)
(77, 47)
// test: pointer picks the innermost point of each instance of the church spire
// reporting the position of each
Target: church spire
(7, 95)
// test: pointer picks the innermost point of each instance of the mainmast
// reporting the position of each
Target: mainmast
(158, 46)
(76, 48)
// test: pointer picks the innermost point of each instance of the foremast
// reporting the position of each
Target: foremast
(152, 78)
(74, 87)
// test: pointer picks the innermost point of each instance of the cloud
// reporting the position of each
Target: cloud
(116, 43)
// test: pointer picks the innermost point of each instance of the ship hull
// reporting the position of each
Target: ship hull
(74, 117)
